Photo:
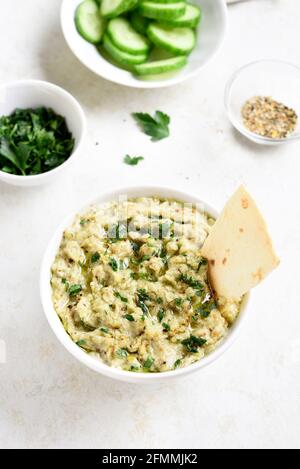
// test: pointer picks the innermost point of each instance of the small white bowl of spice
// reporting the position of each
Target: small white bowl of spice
(262, 100)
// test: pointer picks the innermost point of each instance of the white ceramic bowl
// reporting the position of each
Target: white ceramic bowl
(34, 93)
(210, 38)
(275, 78)
(92, 362)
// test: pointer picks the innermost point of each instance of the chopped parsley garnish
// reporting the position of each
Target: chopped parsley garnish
(133, 160)
(95, 257)
(129, 317)
(83, 222)
(193, 343)
(142, 298)
(104, 329)
(113, 264)
(177, 364)
(178, 302)
(121, 297)
(148, 363)
(156, 127)
(205, 309)
(147, 276)
(81, 343)
(191, 282)
(122, 353)
(143, 295)
(161, 315)
(203, 262)
(34, 141)
(74, 290)
(166, 327)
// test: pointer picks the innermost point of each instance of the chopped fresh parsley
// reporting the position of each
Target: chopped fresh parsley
(34, 141)
(166, 327)
(81, 343)
(191, 282)
(122, 353)
(74, 290)
(133, 160)
(148, 363)
(95, 257)
(161, 315)
(178, 302)
(113, 264)
(143, 295)
(156, 127)
(104, 329)
(193, 343)
(203, 262)
(121, 297)
(129, 317)
(142, 298)
(205, 309)
(177, 364)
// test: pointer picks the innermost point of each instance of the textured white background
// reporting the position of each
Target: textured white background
(251, 397)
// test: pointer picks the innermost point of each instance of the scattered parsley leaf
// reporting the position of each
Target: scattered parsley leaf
(156, 127)
(133, 160)
(104, 329)
(166, 327)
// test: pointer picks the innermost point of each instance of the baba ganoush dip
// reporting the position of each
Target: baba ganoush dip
(131, 287)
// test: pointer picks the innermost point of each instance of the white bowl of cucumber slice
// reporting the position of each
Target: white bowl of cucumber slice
(141, 43)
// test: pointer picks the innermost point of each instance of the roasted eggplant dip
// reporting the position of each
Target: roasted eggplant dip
(131, 287)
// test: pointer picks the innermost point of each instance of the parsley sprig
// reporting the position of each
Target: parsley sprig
(133, 160)
(156, 127)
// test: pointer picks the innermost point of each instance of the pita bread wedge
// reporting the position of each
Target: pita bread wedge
(239, 248)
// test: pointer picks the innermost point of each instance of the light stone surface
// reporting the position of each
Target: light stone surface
(251, 397)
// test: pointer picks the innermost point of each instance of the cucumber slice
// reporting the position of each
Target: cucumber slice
(114, 8)
(190, 19)
(139, 23)
(161, 66)
(89, 22)
(162, 11)
(126, 38)
(178, 41)
(122, 58)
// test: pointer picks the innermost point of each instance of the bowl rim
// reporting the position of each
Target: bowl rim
(155, 84)
(61, 334)
(242, 129)
(31, 179)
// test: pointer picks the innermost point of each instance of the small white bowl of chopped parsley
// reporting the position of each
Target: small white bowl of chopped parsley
(42, 128)
(262, 100)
